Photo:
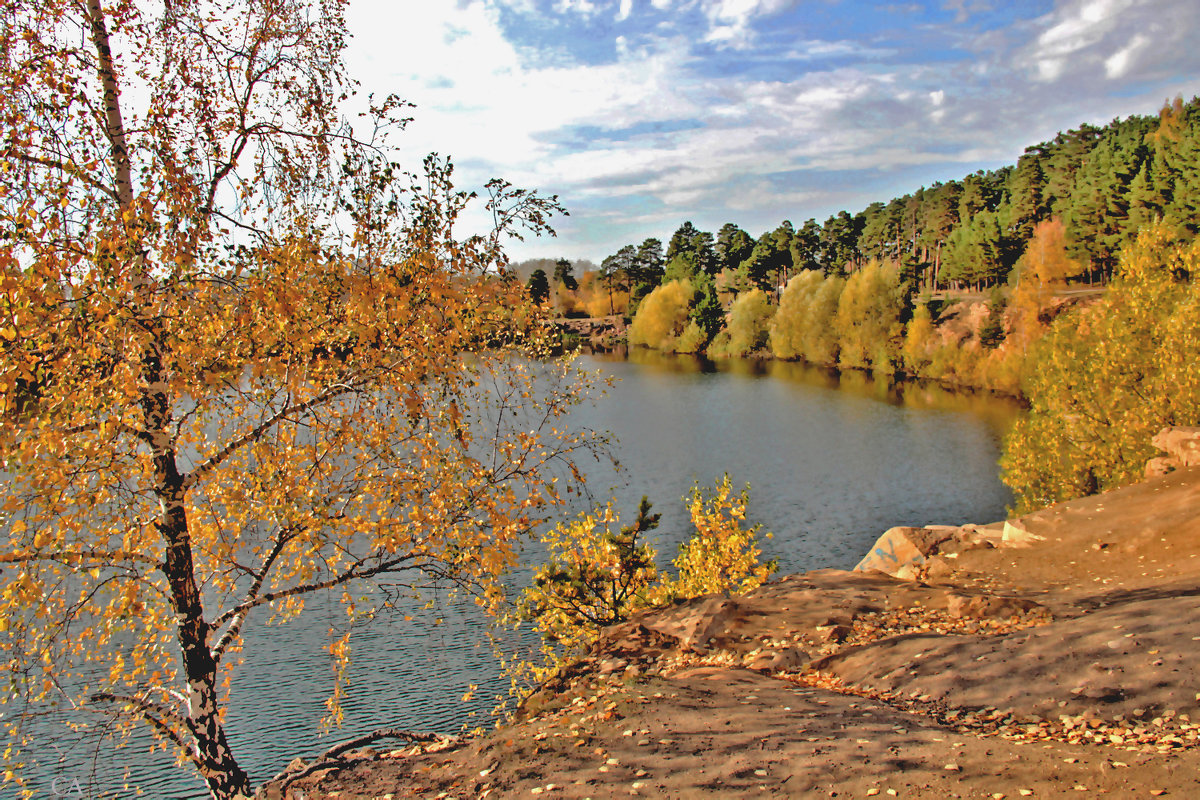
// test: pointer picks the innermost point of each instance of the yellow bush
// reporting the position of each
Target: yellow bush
(784, 335)
(662, 316)
(722, 556)
(802, 327)
(868, 318)
(597, 577)
(918, 341)
(749, 318)
(1104, 380)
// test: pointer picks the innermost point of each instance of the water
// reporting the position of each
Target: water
(832, 461)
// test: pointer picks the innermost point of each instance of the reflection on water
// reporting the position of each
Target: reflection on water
(919, 394)
(833, 460)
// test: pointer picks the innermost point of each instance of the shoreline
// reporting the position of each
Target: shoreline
(1050, 655)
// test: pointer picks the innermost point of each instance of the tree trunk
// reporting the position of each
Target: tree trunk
(114, 126)
(209, 751)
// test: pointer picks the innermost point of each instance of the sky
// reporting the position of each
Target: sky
(640, 114)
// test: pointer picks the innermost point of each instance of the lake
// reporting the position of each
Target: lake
(832, 461)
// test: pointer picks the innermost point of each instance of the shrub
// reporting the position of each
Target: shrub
(662, 316)
(802, 327)
(1105, 379)
(868, 316)
(595, 577)
(722, 556)
(749, 318)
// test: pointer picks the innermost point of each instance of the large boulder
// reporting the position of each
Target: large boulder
(1183, 443)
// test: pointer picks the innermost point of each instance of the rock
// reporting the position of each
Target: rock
(903, 546)
(966, 606)
(938, 567)
(892, 551)
(1017, 535)
(833, 633)
(610, 665)
(1162, 465)
(1182, 444)
(776, 660)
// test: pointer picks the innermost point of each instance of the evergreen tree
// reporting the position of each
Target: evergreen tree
(806, 246)
(538, 286)
(733, 246)
(563, 276)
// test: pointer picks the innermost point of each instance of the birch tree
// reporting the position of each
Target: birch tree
(244, 357)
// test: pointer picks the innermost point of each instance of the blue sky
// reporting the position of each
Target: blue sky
(640, 114)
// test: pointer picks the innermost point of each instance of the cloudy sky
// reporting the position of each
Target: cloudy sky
(640, 114)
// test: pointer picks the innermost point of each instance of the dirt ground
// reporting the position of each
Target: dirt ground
(1064, 668)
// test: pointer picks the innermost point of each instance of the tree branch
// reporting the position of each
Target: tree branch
(106, 557)
(237, 615)
(334, 391)
(330, 758)
(114, 126)
(159, 716)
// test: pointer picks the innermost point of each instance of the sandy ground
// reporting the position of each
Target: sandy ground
(1066, 668)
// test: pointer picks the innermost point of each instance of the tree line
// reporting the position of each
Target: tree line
(1103, 183)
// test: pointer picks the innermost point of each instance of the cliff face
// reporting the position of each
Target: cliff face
(1076, 629)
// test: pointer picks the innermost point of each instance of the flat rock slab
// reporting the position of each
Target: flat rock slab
(1132, 659)
(715, 732)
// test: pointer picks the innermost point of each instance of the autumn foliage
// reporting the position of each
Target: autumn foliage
(244, 357)
(597, 576)
(1105, 380)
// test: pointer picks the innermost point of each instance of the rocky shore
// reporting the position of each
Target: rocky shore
(1052, 655)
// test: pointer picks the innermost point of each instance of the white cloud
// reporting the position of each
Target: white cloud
(938, 100)
(729, 20)
(1072, 30)
(1119, 63)
(585, 7)
(813, 49)
(646, 133)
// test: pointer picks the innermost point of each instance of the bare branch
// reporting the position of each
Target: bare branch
(237, 615)
(331, 757)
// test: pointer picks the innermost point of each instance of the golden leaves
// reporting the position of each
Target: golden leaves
(1107, 378)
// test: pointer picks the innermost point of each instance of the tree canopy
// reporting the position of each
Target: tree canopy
(245, 357)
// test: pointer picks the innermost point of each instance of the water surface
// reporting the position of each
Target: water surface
(832, 460)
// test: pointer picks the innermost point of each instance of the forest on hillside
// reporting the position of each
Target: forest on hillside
(1102, 183)
(1113, 207)
(862, 291)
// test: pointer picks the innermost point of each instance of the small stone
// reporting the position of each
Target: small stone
(952, 768)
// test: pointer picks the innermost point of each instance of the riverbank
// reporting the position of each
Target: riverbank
(1051, 656)
(968, 346)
